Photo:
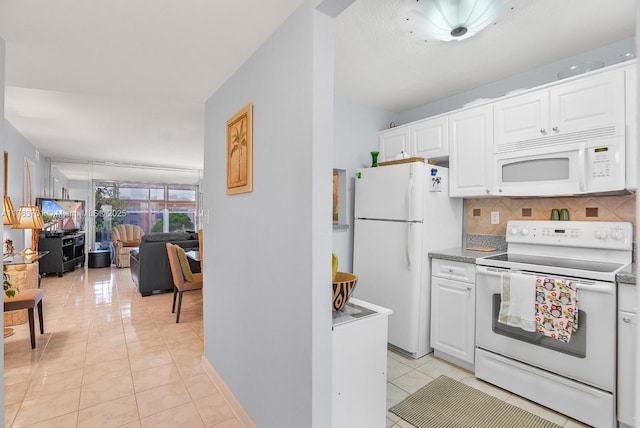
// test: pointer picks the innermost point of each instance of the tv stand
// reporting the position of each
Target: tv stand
(65, 253)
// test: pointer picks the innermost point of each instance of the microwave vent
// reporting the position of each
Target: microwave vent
(562, 138)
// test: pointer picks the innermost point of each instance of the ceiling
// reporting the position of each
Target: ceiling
(125, 81)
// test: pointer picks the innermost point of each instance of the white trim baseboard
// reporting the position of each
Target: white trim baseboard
(242, 416)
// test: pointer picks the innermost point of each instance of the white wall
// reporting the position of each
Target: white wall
(356, 129)
(267, 298)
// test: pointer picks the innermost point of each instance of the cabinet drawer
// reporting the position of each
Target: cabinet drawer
(627, 300)
(450, 269)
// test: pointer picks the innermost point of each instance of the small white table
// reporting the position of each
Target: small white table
(359, 375)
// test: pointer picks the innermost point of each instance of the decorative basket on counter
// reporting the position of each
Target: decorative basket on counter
(343, 285)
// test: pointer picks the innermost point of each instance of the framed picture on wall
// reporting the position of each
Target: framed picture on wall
(240, 152)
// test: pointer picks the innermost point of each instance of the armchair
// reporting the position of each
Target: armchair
(125, 237)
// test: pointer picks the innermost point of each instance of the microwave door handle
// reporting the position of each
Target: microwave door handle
(582, 166)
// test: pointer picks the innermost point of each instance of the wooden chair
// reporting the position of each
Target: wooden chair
(200, 239)
(27, 299)
(180, 284)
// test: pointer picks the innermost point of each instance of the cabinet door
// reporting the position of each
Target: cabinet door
(521, 117)
(359, 375)
(470, 159)
(453, 318)
(627, 333)
(393, 141)
(430, 138)
(588, 102)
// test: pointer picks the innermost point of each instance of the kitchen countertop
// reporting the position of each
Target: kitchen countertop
(461, 254)
(627, 275)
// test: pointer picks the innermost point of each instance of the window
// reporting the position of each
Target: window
(155, 208)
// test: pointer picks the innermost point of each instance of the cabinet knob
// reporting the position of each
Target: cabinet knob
(543, 131)
(487, 190)
(555, 129)
(626, 320)
(468, 288)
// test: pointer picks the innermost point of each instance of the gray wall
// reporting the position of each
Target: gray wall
(267, 297)
(2, 146)
(356, 129)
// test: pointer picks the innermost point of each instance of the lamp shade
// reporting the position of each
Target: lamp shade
(28, 217)
(448, 20)
(8, 213)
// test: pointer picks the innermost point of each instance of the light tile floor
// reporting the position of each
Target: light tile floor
(406, 375)
(111, 358)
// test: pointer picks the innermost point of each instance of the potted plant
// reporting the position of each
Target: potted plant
(9, 291)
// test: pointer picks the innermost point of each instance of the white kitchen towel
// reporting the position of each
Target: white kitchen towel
(518, 301)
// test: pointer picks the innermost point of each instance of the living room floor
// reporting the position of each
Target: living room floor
(111, 358)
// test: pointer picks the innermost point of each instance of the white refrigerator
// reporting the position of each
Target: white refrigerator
(402, 212)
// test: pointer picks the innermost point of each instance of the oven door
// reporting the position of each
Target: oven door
(588, 357)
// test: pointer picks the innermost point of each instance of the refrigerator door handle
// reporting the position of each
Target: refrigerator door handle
(408, 245)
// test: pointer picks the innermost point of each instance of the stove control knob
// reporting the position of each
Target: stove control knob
(514, 230)
(601, 234)
(617, 235)
(524, 231)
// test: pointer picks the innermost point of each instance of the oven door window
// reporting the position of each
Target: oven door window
(576, 347)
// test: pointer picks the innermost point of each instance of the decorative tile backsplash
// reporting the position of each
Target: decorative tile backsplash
(589, 208)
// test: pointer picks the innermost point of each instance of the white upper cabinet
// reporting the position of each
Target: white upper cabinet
(393, 141)
(427, 138)
(470, 160)
(522, 117)
(430, 138)
(584, 103)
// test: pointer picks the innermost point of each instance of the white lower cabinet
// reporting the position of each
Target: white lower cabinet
(627, 334)
(359, 374)
(453, 292)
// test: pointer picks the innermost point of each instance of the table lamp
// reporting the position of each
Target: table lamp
(29, 217)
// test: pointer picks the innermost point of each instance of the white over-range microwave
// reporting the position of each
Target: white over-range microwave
(589, 161)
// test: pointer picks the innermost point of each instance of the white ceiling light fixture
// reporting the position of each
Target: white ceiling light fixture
(448, 20)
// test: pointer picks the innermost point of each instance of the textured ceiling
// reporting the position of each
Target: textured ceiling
(379, 63)
(120, 80)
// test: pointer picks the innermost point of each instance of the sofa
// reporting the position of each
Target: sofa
(149, 262)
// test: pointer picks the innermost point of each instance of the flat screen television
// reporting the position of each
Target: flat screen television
(61, 216)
